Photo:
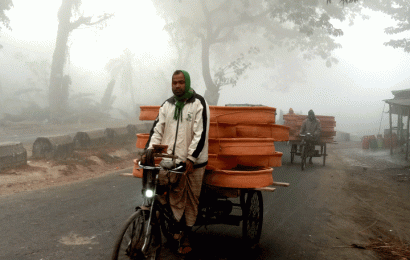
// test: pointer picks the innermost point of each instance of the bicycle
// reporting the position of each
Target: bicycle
(140, 237)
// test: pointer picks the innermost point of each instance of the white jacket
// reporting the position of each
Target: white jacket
(193, 130)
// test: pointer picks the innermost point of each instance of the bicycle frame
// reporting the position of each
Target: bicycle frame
(150, 196)
(307, 140)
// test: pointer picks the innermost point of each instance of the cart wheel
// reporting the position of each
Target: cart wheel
(292, 152)
(303, 156)
(252, 214)
(131, 239)
(324, 155)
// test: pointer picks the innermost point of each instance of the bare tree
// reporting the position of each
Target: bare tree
(69, 9)
(247, 30)
(122, 68)
(108, 99)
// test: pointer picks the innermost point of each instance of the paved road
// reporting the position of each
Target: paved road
(81, 220)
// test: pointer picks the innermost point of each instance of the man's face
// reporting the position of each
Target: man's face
(178, 84)
(311, 117)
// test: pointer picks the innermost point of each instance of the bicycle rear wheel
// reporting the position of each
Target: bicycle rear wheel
(293, 150)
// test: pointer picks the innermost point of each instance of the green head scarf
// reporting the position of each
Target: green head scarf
(181, 100)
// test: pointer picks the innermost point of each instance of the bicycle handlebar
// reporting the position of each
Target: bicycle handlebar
(175, 170)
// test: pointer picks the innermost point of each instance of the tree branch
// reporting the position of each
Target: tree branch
(207, 19)
(220, 7)
(240, 22)
(87, 21)
(225, 37)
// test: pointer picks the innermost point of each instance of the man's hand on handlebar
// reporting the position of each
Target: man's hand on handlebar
(189, 166)
(144, 156)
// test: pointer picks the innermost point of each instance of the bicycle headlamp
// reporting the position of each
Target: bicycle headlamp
(149, 193)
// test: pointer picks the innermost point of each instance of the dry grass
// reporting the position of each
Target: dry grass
(390, 248)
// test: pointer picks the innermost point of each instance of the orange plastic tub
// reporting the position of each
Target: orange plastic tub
(242, 146)
(242, 115)
(279, 133)
(274, 160)
(148, 112)
(142, 140)
(217, 130)
(240, 179)
(220, 162)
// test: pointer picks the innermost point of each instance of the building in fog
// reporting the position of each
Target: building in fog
(399, 106)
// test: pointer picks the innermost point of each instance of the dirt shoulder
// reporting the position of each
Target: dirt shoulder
(84, 164)
(370, 204)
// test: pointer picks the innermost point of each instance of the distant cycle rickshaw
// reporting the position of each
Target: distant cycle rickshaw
(306, 147)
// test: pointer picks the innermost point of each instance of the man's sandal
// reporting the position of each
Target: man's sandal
(184, 247)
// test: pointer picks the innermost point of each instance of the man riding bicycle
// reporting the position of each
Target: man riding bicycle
(183, 125)
(311, 125)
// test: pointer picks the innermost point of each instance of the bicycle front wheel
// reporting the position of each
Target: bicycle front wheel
(131, 238)
(303, 156)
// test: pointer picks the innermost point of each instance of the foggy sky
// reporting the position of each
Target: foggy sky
(352, 91)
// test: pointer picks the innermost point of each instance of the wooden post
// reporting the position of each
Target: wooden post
(407, 139)
(398, 123)
(391, 132)
(401, 124)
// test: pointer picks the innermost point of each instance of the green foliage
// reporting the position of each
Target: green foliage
(399, 11)
(230, 74)
(4, 20)
(344, 1)
(4, 6)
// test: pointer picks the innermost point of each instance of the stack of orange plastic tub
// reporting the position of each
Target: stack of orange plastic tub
(241, 145)
(294, 122)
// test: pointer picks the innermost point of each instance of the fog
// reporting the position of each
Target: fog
(352, 89)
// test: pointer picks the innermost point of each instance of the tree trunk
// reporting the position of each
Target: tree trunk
(65, 89)
(212, 91)
(106, 99)
(59, 59)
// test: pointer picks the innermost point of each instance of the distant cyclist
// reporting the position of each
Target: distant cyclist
(311, 125)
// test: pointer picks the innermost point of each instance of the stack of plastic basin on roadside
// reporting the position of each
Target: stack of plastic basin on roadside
(241, 145)
(295, 122)
(390, 140)
(380, 141)
(372, 142)
(365, 142)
